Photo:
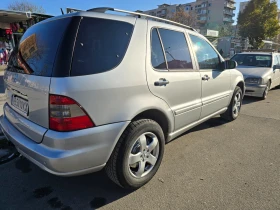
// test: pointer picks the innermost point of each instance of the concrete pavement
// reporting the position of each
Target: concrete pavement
(217, 165)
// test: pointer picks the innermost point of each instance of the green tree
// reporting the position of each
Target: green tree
(26, 6)
(226, 30)
(259, 21)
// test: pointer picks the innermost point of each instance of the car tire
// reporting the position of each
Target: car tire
(129, 165)
(234, 107)
(265, 93)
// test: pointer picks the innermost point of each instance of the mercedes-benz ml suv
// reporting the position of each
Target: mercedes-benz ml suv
(90, 90)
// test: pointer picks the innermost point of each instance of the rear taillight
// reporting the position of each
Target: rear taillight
(67, 115)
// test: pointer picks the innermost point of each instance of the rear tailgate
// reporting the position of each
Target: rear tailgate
(27, 97)
(28, 77)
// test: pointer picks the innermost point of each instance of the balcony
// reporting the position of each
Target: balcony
(231, 6)
(229, 13)
(229, 20)
(202, 20)
(161, 11)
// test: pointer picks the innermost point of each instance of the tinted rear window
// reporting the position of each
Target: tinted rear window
(38, 47)
(100, 46)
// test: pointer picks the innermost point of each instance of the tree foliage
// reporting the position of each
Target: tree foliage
(224, 30)
(186, 18)
(26, 6)
(259, 21)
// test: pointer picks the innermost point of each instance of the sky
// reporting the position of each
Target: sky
(52, 7)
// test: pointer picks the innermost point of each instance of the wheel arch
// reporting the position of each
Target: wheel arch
(158, 116)
(241, 84)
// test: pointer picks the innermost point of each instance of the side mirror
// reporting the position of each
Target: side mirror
(230, 64)
(276, 67)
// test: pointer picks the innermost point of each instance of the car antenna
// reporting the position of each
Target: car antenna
(61, 11)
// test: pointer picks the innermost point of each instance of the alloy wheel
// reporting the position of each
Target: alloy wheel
(236, 104)
(143, 155)
(266, 91)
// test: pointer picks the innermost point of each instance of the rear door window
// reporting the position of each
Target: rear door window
(158, 60)
(100, 46)
(176, 49)
(36, 53)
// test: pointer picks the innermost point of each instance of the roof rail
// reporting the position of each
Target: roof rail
(105, 9)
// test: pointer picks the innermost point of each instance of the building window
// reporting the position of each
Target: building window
(208, 18)
(209, 4)
(191, 8)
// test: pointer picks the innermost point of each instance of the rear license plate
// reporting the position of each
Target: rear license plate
(20, 104)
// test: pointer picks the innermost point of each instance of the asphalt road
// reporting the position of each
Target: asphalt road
(217, 165)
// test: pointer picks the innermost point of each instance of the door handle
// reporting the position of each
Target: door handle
(161, 82)
(206, 78)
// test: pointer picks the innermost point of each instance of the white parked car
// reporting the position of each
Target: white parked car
(261, 71)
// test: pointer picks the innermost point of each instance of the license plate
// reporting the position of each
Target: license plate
(20, 104)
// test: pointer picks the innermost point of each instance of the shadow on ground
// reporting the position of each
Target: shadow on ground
(211, 123)
(32, 186)
(250, 99)
(215, 122)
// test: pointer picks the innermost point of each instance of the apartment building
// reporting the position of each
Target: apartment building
(210, 13)
(163, 11)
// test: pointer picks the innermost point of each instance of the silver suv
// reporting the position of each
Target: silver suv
(90, 90)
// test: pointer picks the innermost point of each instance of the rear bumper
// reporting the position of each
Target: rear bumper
(68, 153)
(255, 90)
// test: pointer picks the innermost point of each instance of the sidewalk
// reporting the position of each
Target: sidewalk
(2, 67)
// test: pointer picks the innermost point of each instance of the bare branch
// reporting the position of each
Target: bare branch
(186, 18)
(25, 6)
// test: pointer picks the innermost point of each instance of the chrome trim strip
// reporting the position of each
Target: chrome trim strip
(188, 108)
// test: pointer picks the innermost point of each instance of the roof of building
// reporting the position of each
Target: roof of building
(8, 16)
(164, 5)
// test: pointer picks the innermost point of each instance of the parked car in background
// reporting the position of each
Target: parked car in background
(110, 90)
(261, 71)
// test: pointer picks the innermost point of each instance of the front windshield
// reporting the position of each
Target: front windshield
(253, 60)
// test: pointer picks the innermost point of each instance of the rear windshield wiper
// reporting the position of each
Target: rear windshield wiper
(26, 68)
